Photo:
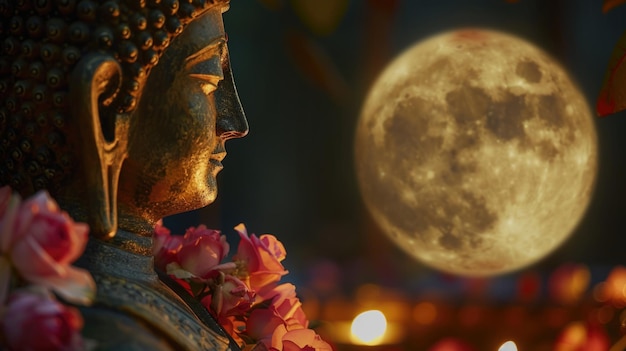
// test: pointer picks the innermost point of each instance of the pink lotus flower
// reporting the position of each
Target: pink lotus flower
(40, 241)
(261, 257)
(38, 322)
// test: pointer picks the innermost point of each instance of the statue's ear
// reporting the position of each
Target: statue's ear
(94, 83)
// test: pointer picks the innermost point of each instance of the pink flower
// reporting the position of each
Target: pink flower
(285, 339)
(262, 257)
(196, 255)
(35, 322)
(165, 247)
(267, 327)
(261, 325)
(40, 241)
(283, 325)
(202, 250)
(284, 301)
(230, 297)
(288, 306)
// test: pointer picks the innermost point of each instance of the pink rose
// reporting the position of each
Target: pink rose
(283, 299)
(285, 339)
(261, 325)
(202, 250)
(41, 242)
(262, 257)
(165, 247)
(196, 255)
(230, 297)
(35, 322)
(283, 325)
(288, 306)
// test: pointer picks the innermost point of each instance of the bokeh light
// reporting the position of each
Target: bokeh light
(425, 313)
(508, 346)
(369, 327)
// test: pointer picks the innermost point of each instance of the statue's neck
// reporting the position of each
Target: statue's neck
(128, 255)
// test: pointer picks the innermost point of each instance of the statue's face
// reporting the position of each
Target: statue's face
(177, 132)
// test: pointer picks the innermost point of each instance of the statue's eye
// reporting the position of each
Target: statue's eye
(206, 67)
(208, 72)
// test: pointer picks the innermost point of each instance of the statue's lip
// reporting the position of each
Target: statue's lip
(218, 156)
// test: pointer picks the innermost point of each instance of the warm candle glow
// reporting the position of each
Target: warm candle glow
(508, 346)
(369, 327)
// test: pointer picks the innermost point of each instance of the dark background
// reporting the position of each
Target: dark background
(302, 82)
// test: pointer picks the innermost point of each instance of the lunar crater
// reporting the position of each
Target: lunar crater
(529, 71)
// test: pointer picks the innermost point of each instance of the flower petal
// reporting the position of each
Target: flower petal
(173, 268)
(32, 261)
(76, 285)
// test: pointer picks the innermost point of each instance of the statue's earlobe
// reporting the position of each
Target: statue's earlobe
(97, 79)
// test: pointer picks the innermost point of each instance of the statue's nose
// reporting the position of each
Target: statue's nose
(231, 120)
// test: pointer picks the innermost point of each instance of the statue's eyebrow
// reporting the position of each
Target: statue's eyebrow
(205, 53)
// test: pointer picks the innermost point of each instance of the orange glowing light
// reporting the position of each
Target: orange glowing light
(508, 346)
(368, 328)
(572, 337)
(425, 313)
(583, 336)
(569, 282)
(615, 287)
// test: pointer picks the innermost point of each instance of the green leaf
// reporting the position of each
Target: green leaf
(613, 93)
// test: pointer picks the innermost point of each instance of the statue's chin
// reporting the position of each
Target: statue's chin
(187, 202)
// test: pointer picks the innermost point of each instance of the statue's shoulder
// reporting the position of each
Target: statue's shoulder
(131, 315)
(134, 308)
(111, 329)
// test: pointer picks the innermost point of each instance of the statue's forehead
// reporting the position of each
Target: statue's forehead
(203, 31)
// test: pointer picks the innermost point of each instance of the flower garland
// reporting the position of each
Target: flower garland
(38, 243)
(39, 285)
(244, 295)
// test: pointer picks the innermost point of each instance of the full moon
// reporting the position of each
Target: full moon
(476, 153)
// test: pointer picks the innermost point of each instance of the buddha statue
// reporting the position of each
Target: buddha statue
(120, 110)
